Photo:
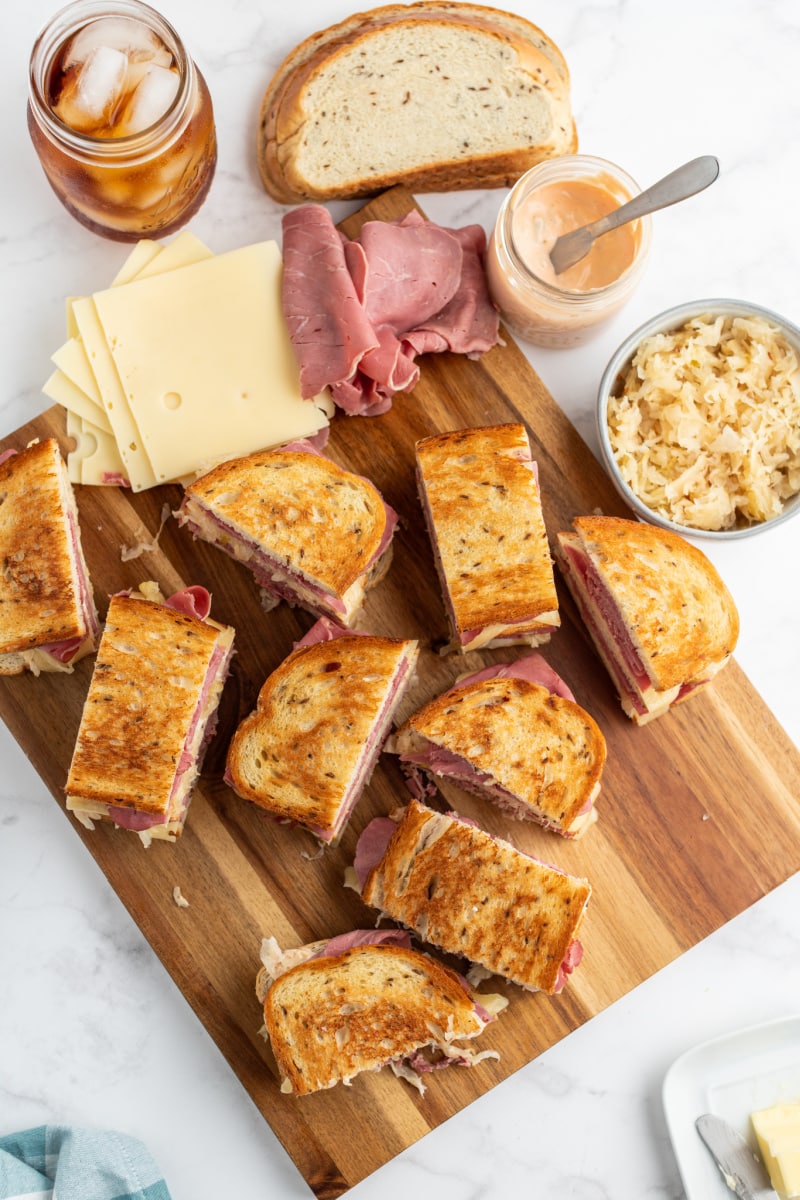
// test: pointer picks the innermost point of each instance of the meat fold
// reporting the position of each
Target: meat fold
(327, 325)
(360, 311)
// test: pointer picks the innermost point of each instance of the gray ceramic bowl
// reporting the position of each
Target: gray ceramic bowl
(673, 318)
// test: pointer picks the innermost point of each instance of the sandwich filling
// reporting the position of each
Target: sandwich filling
(70, 650)
(426, 759)
(640, 698)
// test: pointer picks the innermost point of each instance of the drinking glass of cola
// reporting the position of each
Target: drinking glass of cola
(121, 119)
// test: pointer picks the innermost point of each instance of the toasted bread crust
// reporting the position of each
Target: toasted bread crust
(439, 872)
(482, 501)
(150, 668)
(296, 754)
(544, 749)
(331, 1018)
(681, 616)
(39, 590)
(287, 105)
(281, 498)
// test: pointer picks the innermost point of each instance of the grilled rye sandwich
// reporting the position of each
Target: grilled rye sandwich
(312, 533)
(480, 495)
(309, 748)
(475, 895)
(149, 713)
(661, 618)
(512, 734)
(48, 619)
(377, 1002)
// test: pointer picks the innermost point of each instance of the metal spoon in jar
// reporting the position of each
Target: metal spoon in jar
(686, 181)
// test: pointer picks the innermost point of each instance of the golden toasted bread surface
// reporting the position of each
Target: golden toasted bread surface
(542, 748)
(39, 591)
(471, 894)
(681, 616)
(321, 520)
(482, 503)
(298, 753)
(148, 676)
(331, 1018)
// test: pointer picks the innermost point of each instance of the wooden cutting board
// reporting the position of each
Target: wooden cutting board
(699, 813)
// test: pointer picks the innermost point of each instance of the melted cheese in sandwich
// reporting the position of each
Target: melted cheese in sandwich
(492, 635)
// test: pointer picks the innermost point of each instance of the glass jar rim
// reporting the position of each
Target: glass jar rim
(559, 168)
(66, 23)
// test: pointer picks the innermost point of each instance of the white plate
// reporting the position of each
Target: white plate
(730, 1076)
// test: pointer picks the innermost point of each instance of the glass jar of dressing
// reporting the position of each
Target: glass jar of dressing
(555, 197)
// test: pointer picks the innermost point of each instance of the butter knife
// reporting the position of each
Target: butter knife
(741, 1168)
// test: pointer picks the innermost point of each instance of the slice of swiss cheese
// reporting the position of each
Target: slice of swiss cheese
(142, 254)
(61, 388)
(195, 365)
(95, 459)
(73, 384)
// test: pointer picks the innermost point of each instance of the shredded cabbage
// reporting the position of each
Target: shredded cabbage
(705, 427)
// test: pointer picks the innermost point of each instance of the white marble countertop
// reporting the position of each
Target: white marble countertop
(92, 1029)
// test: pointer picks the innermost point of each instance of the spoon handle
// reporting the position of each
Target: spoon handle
(681, 183)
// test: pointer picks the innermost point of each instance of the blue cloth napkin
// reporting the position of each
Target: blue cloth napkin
(63, 1162)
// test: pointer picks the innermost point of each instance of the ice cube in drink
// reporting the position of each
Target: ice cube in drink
(91, 89)
(151, 96)
(137, 42)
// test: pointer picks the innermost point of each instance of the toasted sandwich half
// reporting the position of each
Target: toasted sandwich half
(48, 619)
(312, 533)
(507, 735)
(150, 712)
(309, 748)
(472, 894)
(661, 618)
(379, 1003)
(480, 495)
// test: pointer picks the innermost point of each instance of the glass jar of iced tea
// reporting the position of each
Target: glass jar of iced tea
(121, 119)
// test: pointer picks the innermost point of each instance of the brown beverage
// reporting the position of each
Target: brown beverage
(121, 119)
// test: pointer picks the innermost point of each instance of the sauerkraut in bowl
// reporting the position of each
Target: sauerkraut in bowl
(699, 419)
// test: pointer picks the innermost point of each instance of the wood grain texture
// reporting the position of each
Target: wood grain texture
(699, 813)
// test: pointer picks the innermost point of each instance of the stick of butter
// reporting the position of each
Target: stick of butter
(777, 1131)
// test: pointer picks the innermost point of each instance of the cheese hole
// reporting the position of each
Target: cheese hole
(171, 400)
